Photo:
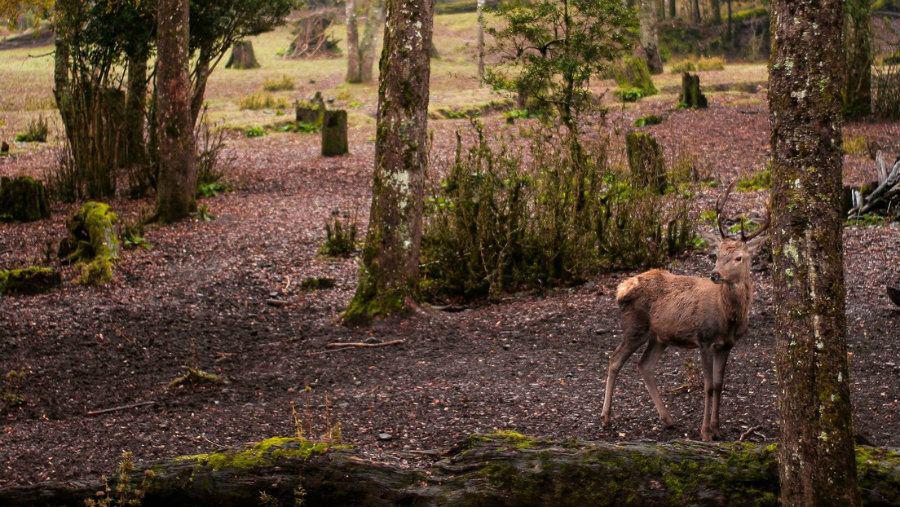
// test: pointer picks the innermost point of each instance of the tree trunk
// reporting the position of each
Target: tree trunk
(135, 107)
(673, 11)
(242, 56)
(352, 43)
(374, 19)
(691, 95)
(858, 58)
(716, 8)
(816, 460)
(177, 174)
(646, 162)
(390, 258)
(649, 37)
(334, 133)
(695, 11)
(479, 7)
(503, 469)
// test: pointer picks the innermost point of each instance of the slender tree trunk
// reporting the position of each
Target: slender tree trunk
(730, 25)
(479, 6)
(390, 258)
(695, 11)
(177, 174)
(858, 57)
(817, 464)
(374, 19)
(135, 108)
(673, 11)
(716, 7)
(352, 43)
(649, 36)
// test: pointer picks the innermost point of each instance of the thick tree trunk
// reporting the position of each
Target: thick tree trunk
(649, 36)
(391, 256)
(816, 458)
(858, 58)
(374, 19)
(503, 469)
(177, 173)
(242, 56)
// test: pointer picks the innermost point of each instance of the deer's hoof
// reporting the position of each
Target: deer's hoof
(606, 421)
(705, 436)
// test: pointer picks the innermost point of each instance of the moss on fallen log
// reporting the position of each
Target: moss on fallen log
(30, 280)
(92, 243)
(502, 469)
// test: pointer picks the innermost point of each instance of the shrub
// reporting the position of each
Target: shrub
(683, 66)
(629, 94)
(340, 237)
(257, 101)
(36, 132)
(504, 220)
(711, 63)
(632, 72)
(646, 121)
(276, 85)
(254, 131)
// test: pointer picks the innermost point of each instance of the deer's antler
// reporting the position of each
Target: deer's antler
(720, 210)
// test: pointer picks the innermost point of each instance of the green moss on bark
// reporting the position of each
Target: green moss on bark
(92, 243)
(30, 280)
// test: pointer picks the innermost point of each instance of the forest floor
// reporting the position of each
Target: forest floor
(224, 296)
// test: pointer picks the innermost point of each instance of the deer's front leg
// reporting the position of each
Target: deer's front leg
(720, 359)
(706, 362)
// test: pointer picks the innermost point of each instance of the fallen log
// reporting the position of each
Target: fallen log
(500, 469)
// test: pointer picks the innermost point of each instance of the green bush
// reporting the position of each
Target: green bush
(257, 101)
(254, 131)
(504, 220)
(683, 66)
(277, 85)
(629, 94)
(340, 237)
(711, 63)
(646, 121)
(632, 72)
(36, 132)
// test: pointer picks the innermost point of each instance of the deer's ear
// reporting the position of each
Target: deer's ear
(756, 243)
(712, 238)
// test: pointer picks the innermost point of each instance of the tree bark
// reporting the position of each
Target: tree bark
(695, 11)
(649, 36)
(177, 173)
(391, 256)
(479, 8)
(716, 8)
(242, 56)
(502, 469)
(817, 465)
(361, 46)
(858, 57)
(673, 10)
(352, 43)
(135, 107)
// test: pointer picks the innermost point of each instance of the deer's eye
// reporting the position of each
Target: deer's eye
(738, 259)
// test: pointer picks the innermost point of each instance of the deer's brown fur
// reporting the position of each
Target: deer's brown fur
(661, 309)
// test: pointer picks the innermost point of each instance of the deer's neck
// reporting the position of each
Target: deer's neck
(735, 300)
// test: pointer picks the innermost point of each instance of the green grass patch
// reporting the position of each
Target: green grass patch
(284, 83)
(761, 180)
(259, 101)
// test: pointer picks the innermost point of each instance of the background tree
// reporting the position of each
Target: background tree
(550, 49)
(361, 46)
(177, 172)
(817, 464)
(859, 58)
(649, 36)
(390, 260)
(479, 10)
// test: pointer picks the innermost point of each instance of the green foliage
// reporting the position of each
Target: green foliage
(36, 132)
(683, 66)
(11, 394)
(629, 94)
(646, 121)
(340, 237)
(254, 131)
(516, 114)
(124, 494)
(867, 220)
(132, 236)
(203, 214)
(632, 73)
(298, 127)
(30, 280)
(552, 48)
(285, 83)
(92, 243)
(211, 189)
(761, 180)
(711, 63)
(503, 220)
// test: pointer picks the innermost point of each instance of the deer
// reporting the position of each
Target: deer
(660, 309)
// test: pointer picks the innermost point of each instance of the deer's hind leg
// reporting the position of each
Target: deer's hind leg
(635, 336)
(647, 365)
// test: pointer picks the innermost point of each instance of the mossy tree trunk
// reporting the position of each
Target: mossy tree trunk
(390, 257)
(858, 57)
(691, 95)
(177, 185)
(816, 454)
(242, 56)
(502, 469)
(649, 37)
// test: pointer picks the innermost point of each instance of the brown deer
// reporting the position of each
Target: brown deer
(661, 309)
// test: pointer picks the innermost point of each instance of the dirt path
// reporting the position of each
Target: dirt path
(224, 295)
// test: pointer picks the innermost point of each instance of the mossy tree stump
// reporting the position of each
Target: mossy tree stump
(30, 280)
(646, 162)
(633, 72)
(691, 95)
(311, 112)
(23, 199)
(92, 243)
(334, 133)
(242, 56)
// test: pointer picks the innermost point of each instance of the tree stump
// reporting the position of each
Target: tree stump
(23, 199)
(334, 133)
(92, 242)
(311, 112)
(242, 56)
(30, 280)
(691, 96)
(646, 161)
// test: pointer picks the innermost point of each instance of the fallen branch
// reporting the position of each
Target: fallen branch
(361, 345)
(747, 434)
(502, 469)
(120, 408)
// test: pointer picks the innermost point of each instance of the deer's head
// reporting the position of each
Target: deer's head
(734, 254)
